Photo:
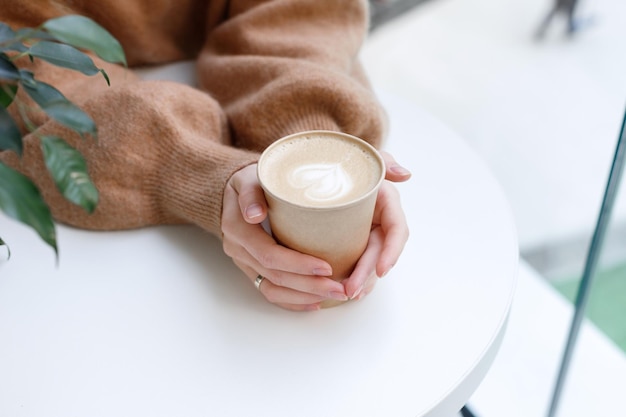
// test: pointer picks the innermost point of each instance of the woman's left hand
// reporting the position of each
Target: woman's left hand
(388, 235)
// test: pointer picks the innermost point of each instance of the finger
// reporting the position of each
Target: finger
(368, 288)
(238, 235)
(250, 195)
(366, 265)
(393, 170)
(273, 257)
(320, 286)
(394, 226)
(283, 297)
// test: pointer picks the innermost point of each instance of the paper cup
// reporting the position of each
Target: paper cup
(321, 189)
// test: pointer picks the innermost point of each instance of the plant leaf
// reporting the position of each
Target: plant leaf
(2, 243)
(8, 71)
(6, 33)
(14, 46)
(69, 171)
(10, 136)
(64, 56)
(9, 40)
(33, 34)
(7, 94)
(82, 32)
(21, 200)
(71, 116)
(54, 103)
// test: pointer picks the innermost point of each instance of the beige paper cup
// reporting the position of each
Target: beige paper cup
(321, 189)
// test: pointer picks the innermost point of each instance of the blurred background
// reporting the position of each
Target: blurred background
(544, 113)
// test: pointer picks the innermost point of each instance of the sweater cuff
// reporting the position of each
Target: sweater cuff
(192, 184)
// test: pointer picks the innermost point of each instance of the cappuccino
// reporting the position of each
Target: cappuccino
(320, 169)
(321, 190)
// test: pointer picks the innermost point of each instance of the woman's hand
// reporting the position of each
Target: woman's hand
(300, 282)
(292, 280)
(387, 238)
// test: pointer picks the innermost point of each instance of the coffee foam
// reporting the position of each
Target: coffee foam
(321, 182)
(320, 170)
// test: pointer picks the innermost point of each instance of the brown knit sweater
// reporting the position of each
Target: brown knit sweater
(165, 151)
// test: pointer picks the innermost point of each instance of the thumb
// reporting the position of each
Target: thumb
(394, 171)
(250, 195)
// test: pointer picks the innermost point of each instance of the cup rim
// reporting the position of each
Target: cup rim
(375, 153)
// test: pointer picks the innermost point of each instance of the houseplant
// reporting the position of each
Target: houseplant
(59, 41)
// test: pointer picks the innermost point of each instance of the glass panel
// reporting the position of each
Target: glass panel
(601, 282)
(607, 305)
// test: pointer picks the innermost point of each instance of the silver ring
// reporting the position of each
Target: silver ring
(257, 281)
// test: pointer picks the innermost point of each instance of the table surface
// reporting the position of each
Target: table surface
(159, 322)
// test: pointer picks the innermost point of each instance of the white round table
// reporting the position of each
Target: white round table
(158, 322)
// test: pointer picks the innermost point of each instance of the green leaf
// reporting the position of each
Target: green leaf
(33, 34)
(21, 200)
(64, 56)
(71, 116)
(69, 171)
(82, 32)
(7, 94)
(10, 136)
(27, 77)
(8, 71)
(9, 40)
(6, 33)
(2, 243)
(14, 46)
(54, 103)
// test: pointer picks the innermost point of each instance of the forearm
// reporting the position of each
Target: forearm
(163, 154)
(284, 66)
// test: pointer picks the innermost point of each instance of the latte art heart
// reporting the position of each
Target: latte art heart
(321, 182)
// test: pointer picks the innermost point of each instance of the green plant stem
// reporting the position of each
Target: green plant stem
(21, 107)
(18, 56)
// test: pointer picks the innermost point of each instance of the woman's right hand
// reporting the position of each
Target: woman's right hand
(293, 280)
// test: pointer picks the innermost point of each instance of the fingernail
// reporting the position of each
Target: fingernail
(356, 293)
(397, 169)
(322, 272)
(386, 271)
(254, 210)
(335, 295)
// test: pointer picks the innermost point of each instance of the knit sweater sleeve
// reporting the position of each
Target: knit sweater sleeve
(162, 155)
(283, 66)
(165, 151)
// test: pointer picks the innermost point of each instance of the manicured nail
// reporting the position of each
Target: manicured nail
(399, 170)
(386, 271)
(335, 295)
(322, 272)
(254, 210)
(356, 293)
